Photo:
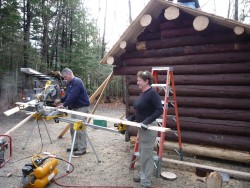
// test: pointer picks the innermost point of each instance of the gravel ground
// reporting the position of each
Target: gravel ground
(113, 151)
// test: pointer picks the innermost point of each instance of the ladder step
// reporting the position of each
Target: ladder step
(162, 68)
(159, 85)
(159, 120)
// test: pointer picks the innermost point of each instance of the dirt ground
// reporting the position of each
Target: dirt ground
(113, 151)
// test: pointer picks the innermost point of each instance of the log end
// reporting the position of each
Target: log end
(238, 30)
(214, 180)
(171, 13)
(145, 20)
(123, 44)
(200, 23)
(110, 60)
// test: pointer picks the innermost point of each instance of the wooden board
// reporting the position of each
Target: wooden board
(114, 120)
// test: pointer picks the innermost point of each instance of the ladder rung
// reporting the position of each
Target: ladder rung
(159, 120)
(158, 139)
(159, 85)
(162, 68)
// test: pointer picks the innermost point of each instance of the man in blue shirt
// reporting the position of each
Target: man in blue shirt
(76, 99)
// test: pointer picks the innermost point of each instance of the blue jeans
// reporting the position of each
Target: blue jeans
(189, 4)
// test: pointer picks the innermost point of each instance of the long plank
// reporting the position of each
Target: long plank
(64, 131)
(20, 105)
(12, 111)
(19, 124)
(100, 88)
(114, 120)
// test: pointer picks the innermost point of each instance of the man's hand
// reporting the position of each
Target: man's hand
(144, 127)
(60, 106)
(57, 101)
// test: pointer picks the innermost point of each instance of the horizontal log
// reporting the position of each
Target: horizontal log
(219, 114)
(178, 32)
(215, 79)
(146, 35)
(241, 128)
(236, 142)
(219, 140)
(232, 173)
(190, 40)
(178, 23)
(206, 102)
(213, 152)
(188, 50)
(202, 91)
(127, 45)
(184, 20)
(151, 24)
(208, 113)
(186, 69)
(233, 57)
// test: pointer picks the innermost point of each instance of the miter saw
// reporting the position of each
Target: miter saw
(48, 94)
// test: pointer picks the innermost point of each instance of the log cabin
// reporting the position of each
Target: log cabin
(210, 56)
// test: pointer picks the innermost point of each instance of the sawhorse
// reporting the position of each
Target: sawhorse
(77, 126)
(37, 118)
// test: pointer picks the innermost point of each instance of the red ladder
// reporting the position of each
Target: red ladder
(162, 122)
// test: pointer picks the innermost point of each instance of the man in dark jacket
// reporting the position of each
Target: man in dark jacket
(76, 99)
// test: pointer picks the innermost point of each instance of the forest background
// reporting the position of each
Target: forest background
(49, 35)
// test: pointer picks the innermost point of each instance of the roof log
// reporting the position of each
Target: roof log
(233, 57)
(188, 50)
(189, 40)
(202, 91)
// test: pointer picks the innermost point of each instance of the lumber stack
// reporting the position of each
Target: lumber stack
(211, 70)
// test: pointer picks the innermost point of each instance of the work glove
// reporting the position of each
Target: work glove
(144, 127)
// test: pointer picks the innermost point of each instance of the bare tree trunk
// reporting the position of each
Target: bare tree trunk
(45, 20)
(71, 35)
(26, 31)
(229, 8)
(55, 35)
(236, 10)
(104, 33)
(129, 9)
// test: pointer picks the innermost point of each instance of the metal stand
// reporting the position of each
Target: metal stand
(37, 123)
(78, 125)
(72, 148)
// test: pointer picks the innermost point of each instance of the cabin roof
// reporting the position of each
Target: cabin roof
(135, 28)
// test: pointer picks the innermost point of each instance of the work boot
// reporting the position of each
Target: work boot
(78, 153)
(142, 186)
(69, 149)
(137, 179)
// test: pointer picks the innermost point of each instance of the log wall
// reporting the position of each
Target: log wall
(211, 74)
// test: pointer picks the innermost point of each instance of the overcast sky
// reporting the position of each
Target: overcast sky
(118, 15)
